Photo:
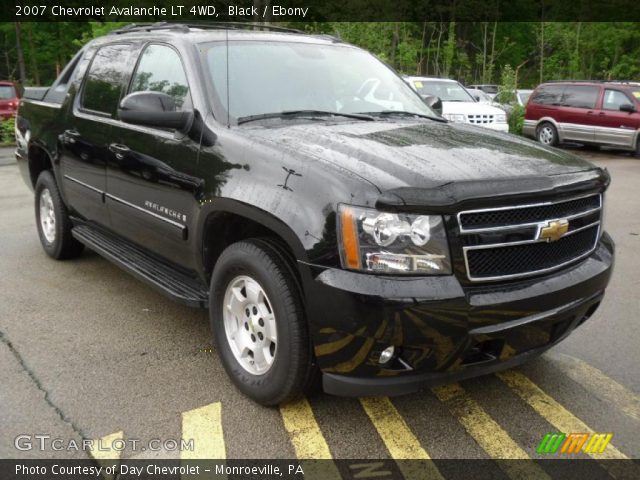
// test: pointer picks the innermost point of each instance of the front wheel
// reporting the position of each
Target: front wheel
(258, 322)
(547, 134)
(52, 220)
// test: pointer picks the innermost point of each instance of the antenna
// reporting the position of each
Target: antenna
(228, 111)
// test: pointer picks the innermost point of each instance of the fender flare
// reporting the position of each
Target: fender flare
(36, 144)
(253, 213)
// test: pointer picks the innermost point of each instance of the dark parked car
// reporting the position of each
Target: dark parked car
(240, 171)
(8, 100)
(592, 113)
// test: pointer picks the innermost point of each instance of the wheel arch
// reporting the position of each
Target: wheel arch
(553, 122)
(226, 221)
(39, 160)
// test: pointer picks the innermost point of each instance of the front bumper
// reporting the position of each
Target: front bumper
(499, 127)
(7, 114)
(443, 330)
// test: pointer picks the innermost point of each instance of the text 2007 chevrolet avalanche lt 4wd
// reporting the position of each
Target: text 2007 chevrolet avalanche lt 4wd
(385, 249)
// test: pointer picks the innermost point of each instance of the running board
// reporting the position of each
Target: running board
(158, 274)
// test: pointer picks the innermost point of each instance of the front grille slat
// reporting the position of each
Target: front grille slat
(522, 253)
(531, 257)
(486, 219)
(479, 119)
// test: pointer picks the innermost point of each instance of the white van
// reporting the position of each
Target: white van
(458, 105)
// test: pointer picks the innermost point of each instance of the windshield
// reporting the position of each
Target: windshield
(447, 91)
(7, 92)
(273, 77)
(490, 88)
(524, 96)
(483, 97)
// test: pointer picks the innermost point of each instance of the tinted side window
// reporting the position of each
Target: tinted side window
(105, 79)
(160, 70)
(613, 99)
(580, 96)
(548, 95)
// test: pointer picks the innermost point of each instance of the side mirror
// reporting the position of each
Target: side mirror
(153, 109)
(627, 107)
(477, 97)
(433, 102)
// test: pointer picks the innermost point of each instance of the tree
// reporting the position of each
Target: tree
(20, 54)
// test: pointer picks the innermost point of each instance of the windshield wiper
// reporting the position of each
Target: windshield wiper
(301, 113)
(402, 113)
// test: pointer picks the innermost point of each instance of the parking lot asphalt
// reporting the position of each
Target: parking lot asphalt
(6, 156)
(88, 352)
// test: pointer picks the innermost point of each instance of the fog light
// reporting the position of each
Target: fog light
(386, 355)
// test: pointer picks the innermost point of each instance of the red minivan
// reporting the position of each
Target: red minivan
(8, 100)
(594, 113)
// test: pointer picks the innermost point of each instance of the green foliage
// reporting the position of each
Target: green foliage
(507, 89)
(7, 131)
(516, 119)
(472, 52)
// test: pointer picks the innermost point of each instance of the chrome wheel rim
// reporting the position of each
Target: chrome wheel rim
(47, 216)
(546, 135)
(250, 325)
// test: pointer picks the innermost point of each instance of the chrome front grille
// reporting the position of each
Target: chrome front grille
(523, 240)
(480, 119)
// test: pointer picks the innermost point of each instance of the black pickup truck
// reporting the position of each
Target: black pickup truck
(357, 238)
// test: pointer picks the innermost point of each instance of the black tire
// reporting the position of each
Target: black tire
(62, 246)
(290, 373)
(547, 134)
(637, 152)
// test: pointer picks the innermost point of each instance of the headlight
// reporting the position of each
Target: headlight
(501, 118)
(383, 242)
(455, 117)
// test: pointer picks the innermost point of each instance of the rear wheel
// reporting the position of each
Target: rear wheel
(547, 134)
(52, 220)
(258, 322)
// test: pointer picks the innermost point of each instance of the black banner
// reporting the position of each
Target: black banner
(322, 10)
(557, 467)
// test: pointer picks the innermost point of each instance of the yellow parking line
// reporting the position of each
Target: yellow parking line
(562, 419)
(599, 384)
(399, 439)
(304, 431)
(204, 426)
(307, 440)
(489, 435)
(102, 449)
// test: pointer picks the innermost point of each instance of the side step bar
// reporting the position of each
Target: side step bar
(158, 274)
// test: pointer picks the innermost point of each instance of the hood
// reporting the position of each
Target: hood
(413, 156)
(470, 108)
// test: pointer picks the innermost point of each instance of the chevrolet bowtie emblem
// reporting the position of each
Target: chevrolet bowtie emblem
(554, 230)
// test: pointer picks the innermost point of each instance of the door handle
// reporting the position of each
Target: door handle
(71, 135)
(590, 112)
(119, 150)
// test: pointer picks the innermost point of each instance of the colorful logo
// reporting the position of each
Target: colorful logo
(574, 443)
(553, 231)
